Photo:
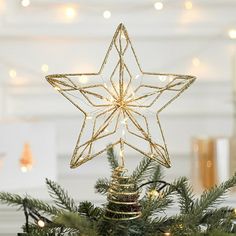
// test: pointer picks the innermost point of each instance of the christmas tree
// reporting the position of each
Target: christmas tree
(196, 216)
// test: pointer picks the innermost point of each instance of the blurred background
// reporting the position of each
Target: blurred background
(39, 128)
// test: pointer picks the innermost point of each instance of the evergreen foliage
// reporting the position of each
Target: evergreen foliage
(196, 216)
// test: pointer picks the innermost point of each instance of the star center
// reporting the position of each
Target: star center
(121, 104)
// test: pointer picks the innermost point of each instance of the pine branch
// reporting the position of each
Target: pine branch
(60, 196)
(16, 200)
(90, 211)
(213, 196)
(156, 176)
(186, 196)
(102, 185)
(34, 230)
(112, 159)
(74, 221)
(219, 219)
(142, 171)
(150, 207)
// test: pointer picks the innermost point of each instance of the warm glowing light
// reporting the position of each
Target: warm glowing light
(26, 160)
(124, 121)
(123, 133)
(158, 5)
(25, 3)
(12, 73)
(70, 12)
(123, 36)
(232, 33)
(167, 234)
(41, 223)
(83, 79)
(106, 14)
(24, 169)
(44, 68)
(188, 5)
(121, 153)
(235, 211)
(196, 61)
(162, 78)
(89, 117)
(153, 194)
(57, 88)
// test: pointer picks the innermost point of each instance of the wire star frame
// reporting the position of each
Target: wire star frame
(120, 104)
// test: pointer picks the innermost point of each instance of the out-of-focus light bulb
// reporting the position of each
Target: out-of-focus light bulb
(89, 117)
(57, 88)
(232, 33)
(41, 223)
(167, 234)
(25, 3)
(196, 62)
(83, 79)
(44, 68)
(70, 12)
(107, 14)
(188, 5)
(153, 194)
(162, 78)
(24, 169)
(158, 5)
(12, 73)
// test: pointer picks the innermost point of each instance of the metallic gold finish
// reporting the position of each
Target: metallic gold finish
(117, 101)
(122, 197)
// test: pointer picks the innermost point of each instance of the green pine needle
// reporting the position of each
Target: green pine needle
(102, 185)
(143, 171)
(16, 200)
(76, 222)
(89, 210)
(60, 196)
(213, 196)
(112, 159)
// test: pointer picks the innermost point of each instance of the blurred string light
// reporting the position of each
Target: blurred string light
(44, 68)
(12, 73)
(41, 223)
(158, 5)
(57, 88)
(188, 5)
(232, 33)
(70, 12)
(25, 3)
(196, 61)
(167, 234)
(107, 14)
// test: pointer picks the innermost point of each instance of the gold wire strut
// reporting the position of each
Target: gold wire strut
(121, 99)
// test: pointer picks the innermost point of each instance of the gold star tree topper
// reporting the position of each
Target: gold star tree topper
(120, 104)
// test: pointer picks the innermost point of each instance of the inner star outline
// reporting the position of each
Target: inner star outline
(119, 104)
